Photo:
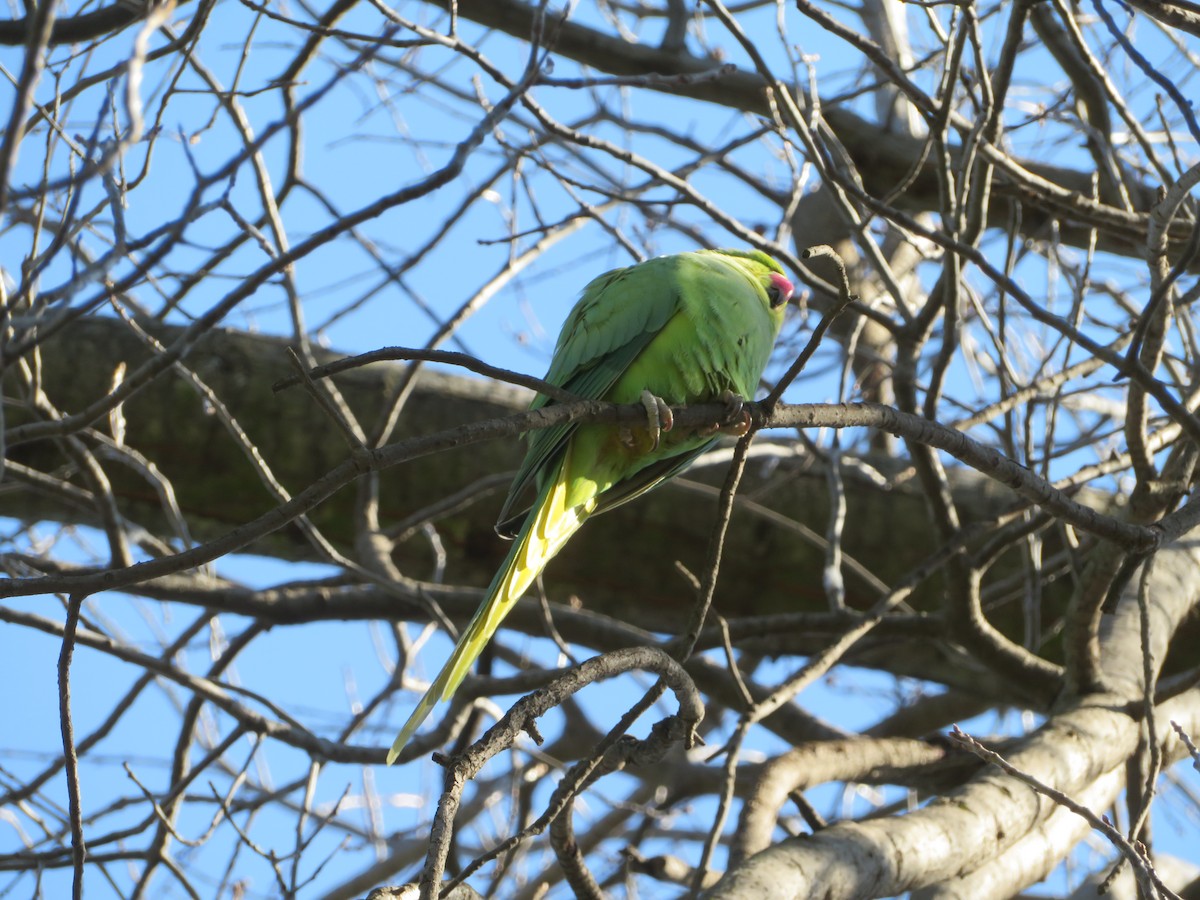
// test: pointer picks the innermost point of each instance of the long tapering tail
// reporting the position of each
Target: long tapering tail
(547, 528)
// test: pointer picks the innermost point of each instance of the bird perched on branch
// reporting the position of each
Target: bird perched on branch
(689, 328)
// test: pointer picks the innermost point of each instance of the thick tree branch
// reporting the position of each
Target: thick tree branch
(971, 826)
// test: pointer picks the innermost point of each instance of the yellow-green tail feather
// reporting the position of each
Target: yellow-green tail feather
(549, 526)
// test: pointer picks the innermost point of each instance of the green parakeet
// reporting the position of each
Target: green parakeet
(689, 328)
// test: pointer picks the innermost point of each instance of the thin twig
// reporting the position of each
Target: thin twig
(78, 846)
(449, 357)
(845, 298)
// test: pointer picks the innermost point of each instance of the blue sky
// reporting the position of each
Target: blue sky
(318, 672)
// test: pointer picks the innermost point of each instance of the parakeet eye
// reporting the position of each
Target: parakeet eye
(779, 291)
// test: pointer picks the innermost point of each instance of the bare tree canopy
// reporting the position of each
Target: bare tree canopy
(929, 628)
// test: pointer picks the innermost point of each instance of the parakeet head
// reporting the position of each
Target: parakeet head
(776, 288)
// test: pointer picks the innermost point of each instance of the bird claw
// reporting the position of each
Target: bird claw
(659, 419)
(736, 419)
